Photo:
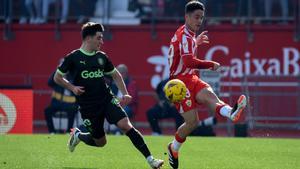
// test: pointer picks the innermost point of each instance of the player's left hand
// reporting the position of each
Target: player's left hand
(125, 100)
(216, 66)
(202, 38)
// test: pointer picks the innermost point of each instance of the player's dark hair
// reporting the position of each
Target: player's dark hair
(191, 6)
(90, 29)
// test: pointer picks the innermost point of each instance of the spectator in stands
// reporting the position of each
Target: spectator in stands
(241, 12)
(83, 9)
(34, 9)
(131, 108)
(64, 10)
(7, 11)
(284, 4)
(170, 5)
(257, 10)
(216, 7)
(62, 100)
(24, 13)
(163, 109)
(144, 7)
(130, 84)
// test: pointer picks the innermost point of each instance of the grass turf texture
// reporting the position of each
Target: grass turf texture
(50, 151)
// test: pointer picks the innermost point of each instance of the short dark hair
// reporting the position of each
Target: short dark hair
(90, 29)
(191, 6)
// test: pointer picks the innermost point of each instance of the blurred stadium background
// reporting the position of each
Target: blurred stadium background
(256, 42)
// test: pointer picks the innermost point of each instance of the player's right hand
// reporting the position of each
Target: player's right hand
(125, 100)
(78, 90)
(202, 38)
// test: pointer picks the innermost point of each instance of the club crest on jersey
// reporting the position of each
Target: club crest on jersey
(188, 102)
(100, 61)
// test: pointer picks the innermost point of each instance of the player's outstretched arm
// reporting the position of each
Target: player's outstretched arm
(216, 66)
(117, 77)
(195, 63)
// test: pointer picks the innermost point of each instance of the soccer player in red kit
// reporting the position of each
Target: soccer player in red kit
(184, 65)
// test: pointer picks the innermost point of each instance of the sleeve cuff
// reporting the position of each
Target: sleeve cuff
(111, 72)
(60, 72)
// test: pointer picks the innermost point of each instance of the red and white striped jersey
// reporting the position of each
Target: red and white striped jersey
(182, 44)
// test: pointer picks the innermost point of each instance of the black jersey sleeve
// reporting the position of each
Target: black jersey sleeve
(109, 67)
(66, 65)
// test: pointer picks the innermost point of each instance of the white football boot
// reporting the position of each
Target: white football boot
(156, 163)
(74, 140)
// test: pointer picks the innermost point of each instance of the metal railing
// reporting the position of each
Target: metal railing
(274, 101)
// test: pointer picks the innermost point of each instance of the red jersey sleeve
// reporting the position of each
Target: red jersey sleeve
(194, 63)
(187, 53)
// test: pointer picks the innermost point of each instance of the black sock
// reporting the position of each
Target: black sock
(138, 141)
(87, 139)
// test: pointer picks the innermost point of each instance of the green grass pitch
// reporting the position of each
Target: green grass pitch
(50, 151)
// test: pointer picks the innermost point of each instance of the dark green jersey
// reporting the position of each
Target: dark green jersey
(88, 70)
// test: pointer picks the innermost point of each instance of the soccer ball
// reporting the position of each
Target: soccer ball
(175, 90)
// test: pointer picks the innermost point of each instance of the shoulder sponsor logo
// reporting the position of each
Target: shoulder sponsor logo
(8, 114)
(92, 74)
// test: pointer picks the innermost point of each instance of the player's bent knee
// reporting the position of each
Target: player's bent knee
(100, 142)
(124, 125)
(125, 128)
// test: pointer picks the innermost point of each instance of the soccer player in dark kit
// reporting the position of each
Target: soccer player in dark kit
(88, 65)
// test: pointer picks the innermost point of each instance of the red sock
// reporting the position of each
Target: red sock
(179, 139)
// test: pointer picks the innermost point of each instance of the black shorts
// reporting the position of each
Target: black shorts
(93, 118)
